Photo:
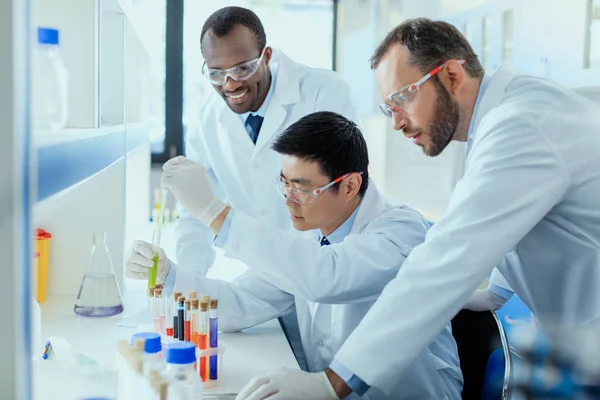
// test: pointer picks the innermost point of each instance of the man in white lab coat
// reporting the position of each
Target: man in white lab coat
(259, 91)
(532, 184)
(347, 243)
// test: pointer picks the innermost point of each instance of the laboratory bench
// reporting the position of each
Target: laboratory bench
(254, 351)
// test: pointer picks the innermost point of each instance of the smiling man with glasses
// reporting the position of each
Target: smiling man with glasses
(348, 242)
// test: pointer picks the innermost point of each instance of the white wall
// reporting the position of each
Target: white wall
(112, 64)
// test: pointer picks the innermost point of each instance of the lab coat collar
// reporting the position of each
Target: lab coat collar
(491, 97)
(287, 91)
(372, 205)
(482, 87)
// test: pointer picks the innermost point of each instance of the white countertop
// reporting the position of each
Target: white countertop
(255, 351)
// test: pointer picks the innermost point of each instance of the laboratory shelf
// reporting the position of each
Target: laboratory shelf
(68, 157)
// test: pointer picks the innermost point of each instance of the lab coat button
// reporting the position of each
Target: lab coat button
(321, 344)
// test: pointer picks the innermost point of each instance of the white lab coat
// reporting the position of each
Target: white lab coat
(241, 173)
(532, 184)
(332, 287)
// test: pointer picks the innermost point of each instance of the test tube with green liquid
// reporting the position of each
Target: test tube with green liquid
(156, 240)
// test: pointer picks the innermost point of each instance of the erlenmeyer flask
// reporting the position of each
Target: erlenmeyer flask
(99, 293)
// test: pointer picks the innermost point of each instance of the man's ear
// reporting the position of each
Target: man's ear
(453, 76)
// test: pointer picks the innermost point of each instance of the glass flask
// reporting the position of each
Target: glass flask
(99, 293)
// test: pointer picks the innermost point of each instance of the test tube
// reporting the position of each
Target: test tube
(214, 336)
(162, 313)
(203, 336)
(169, 316)
(150, 301)
(181, 317)
(156, 238)
(188, 321)
(194, 322)
(157, 309)
(175, 307)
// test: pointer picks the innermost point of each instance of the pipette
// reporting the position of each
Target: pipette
(156, 239)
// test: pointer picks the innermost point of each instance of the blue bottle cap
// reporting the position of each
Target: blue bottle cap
(151, 341)
(47, 35)
(180, 353)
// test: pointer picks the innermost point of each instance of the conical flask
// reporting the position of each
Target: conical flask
(99, 293)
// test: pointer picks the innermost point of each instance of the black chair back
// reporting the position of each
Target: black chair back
(477, 336)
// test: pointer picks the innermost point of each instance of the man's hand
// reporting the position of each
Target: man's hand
(140, 260)
(289, 384)
(189, 183)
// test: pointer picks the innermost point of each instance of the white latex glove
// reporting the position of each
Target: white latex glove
(139, 262)
(189, 183)
(289, 384)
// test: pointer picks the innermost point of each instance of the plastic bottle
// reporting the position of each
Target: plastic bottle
(152, 349)
(50, 79)
(179, 371)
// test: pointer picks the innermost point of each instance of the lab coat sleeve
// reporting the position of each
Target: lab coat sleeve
(355, 270)
(194, 248)
(513, 180)
(247, 301)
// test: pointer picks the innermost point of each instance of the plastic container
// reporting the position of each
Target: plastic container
(152, 351)
(179, 370)
(50, 80)
(40, 265)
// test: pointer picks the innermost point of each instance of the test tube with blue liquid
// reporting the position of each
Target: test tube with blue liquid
(214, 337)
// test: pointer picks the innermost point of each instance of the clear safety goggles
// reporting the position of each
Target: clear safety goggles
(303, 196)
(400, 101)
(240, 72)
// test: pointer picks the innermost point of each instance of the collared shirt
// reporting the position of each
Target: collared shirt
(262, 110)
(342, 231)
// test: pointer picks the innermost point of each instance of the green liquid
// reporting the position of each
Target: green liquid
(152, 272)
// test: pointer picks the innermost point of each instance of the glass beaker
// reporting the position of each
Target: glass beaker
(99, 293)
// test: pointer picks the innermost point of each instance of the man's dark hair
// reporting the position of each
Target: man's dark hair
(334, 142)
(223, 20)
(430, 44)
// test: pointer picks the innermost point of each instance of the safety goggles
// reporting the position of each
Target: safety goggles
(400, 101)
(303, 196)
(240, 72)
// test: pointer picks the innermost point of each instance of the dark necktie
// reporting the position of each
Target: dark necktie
(324, 241)
(254, 122)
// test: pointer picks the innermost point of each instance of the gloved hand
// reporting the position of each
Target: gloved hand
(289, 384)
(139, 261)
(189, 183)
